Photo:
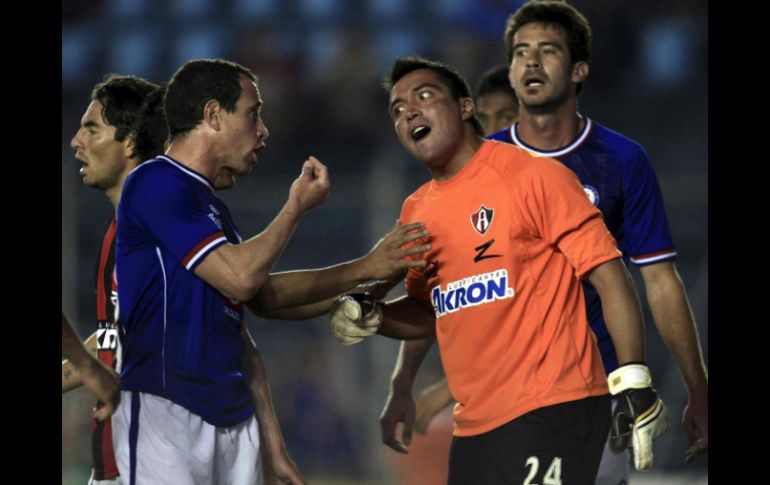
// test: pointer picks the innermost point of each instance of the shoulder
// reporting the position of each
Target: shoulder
(626, 148)
(414, 199)
(157, 177)
(507, 158)
(502, 135)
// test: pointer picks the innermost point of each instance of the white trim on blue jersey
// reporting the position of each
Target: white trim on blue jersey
(555, 153)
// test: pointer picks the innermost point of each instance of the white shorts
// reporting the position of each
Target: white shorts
(614, 469)
(160, 442)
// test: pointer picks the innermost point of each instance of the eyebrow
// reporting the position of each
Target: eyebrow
(551, 43)
(416, 88)
(90, 124)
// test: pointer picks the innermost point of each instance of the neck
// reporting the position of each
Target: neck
(550, 130)
(464, 151)
(194, 153)
(113, 193)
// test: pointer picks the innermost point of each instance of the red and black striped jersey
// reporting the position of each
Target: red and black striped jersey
(109, 342)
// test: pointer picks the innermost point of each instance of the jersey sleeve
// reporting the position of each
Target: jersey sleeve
(164, 204)
(561, 214)
(645, 226)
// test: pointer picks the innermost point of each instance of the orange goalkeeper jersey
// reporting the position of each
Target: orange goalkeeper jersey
(512, 236)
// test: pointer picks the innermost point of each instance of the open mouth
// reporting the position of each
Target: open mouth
(420, 132)
(533, 82)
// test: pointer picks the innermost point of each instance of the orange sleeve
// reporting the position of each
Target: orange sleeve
(562, 215)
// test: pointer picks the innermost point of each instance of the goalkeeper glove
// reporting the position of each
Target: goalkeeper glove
(354, 317)
(640, 415)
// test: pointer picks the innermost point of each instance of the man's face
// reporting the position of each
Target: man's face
(428, 121)
(244, 134)
(497, 111)
(541, 70)
(103, 162)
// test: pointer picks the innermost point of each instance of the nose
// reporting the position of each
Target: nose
(411, 112)
(262, 132)
(75, 142)
(533, 59)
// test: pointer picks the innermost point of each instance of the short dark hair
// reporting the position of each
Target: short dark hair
(197, 82)
(121, 97)
(151, 130)
(553, 12)
(495, 80)
(452, 79)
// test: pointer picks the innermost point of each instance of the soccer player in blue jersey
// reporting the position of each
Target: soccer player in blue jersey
(548, 46)
(185, 275)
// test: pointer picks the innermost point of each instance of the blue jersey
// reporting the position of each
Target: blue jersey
(618, 178)
(183, 337)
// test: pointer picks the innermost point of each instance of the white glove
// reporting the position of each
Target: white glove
(354, 316)
(640, 414)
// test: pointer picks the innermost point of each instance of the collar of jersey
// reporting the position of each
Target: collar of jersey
(468, 170)
(559, 151)
(192, 173)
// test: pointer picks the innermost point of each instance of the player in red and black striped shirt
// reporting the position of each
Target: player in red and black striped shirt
(108, 148)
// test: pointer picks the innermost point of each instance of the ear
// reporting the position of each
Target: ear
(128, 146)
(212, 114)
(579, 72)
(466, 108)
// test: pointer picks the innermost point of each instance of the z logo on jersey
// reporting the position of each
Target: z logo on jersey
(482, 251)
(471, 291)
(482, 219)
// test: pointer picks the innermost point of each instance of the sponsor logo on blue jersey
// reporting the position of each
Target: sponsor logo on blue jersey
(471, 291)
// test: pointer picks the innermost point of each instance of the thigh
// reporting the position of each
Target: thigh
(555, 444)
(470, 461)
(238, 460)
(614, 468)
(160, 442)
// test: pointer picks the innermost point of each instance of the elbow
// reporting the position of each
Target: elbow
(246, 288)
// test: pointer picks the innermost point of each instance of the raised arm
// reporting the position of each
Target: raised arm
(385, 262)
(239, 270)
(674, 320)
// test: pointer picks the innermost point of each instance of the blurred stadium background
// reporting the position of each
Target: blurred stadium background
(320, 63)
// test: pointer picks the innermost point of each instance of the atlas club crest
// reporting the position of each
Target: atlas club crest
(481, 220)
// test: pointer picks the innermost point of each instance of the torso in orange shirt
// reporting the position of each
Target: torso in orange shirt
(512, 235)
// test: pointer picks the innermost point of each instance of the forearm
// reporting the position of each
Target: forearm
(674, 320)
(410, 357)
(256, 377)
(621, 308)
(292, 289)
(302, 312)
(70, 376)
(407, 319)
(71, 346)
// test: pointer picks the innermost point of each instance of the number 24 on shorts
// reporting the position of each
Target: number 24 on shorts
(552, 474)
